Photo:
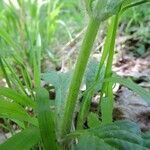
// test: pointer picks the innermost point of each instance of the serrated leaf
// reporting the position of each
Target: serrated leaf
(17, 97)
(46, 120)
(124, 145)
(118, 125)
(91, 142)
(120, 135)
(23, 140)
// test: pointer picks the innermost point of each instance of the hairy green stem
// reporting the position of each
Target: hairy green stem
(80, 67)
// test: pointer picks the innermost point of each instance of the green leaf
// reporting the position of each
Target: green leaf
(85, 108)
(24, 140)
(46, 120)
(118, 125)
(93, 120)
(7, 38)
(132, 3)
(37, 66)
(61, 83)
(90, 74)
(124, 144)
(5, 74)
(17, 97)
(91, 142)
(131, 85)
(15, 111)
(120, 135)
(103, 9)
(146, 137)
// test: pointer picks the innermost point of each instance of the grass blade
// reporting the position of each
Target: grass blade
(5, 73)
(18, 98)
(132, 86)
(23, 140)
(14, 111)
(46, 121)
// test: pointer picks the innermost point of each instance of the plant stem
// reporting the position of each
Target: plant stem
(113, 26)
(107, 87)
(78, 75)
(87, 100)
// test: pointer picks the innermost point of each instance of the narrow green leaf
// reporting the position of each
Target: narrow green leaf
(24, 140)
(7, 38)
(14, 111)
(15, 76)
(131, 85)
(37, 67)
(5, 73)
(46, 120)
(132, 3)
(17, 97)
(23, 68)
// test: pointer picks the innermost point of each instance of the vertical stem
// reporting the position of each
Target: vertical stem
(114, 24)
(87, 100)
(105, 52)
(107, 87)
(78, 75)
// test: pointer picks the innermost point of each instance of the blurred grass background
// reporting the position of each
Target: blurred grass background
(30, 29)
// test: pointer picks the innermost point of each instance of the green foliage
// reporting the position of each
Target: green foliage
(60, 81)
(91, 74)
(103, 9)
(15, 111)
(93, 120)
(46, 120)
(134, 87)
(23, 140)
(47, 126)
(16, 97)
(119, 135)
